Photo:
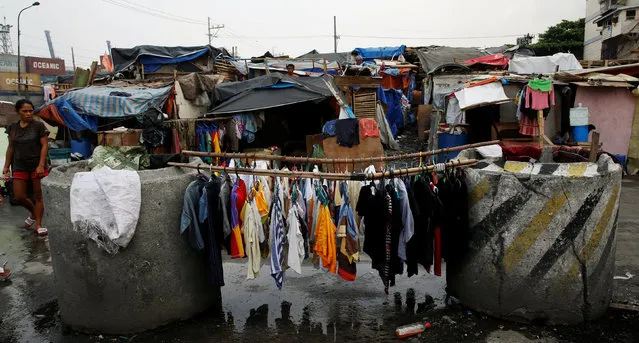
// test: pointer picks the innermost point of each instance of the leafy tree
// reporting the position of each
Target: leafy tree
(567, 36)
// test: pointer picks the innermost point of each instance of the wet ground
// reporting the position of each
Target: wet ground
(312, 307)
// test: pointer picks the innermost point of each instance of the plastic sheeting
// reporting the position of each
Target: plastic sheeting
(381, 52)
(102, 102)
(497, 60)
(392, 98)
(492, 93)
(543, 64)
(153, 63)
(123, 58)
(433, 58)
(268, 91)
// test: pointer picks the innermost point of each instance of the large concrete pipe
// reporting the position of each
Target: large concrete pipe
(543, 240)
(155, 280)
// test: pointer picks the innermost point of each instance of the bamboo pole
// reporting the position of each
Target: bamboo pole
(296, 159)
(326, 176)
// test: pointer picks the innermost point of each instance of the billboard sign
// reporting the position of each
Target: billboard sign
(9, 64)
(45, 66)
(9, 82)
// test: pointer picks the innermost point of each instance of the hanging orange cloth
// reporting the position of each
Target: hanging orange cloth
(325, 245)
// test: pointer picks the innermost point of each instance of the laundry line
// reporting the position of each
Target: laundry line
(315, 160)
(439, 167)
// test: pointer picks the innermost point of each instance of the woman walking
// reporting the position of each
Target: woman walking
(26, 162)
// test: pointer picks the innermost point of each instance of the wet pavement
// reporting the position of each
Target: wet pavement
(312, 307)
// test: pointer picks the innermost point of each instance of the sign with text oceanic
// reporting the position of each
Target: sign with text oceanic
(45, 66)
(9, 64)
(9, 82)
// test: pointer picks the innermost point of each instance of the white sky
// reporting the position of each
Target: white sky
(291, 27)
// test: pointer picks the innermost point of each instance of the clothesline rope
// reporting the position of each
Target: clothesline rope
(328, 176)
(296, 159)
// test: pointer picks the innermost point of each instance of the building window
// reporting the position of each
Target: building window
(631, 14)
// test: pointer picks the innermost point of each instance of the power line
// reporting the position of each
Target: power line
(155, 13)
(162, 12)
(433, 38)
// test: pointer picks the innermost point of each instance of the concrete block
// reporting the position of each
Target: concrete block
(156, 280)
(543, 240)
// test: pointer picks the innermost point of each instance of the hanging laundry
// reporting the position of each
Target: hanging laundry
(368, 127)
(238, 199)
(201, 237)
(348, 253)
(253, 236)
(329, 128)
(296, 249)
(325, 230)
(277, 239)
(347, 132)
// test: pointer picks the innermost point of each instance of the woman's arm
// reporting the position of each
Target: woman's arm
(44, 141)
(9, 158)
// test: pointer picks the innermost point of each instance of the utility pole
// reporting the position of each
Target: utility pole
(47, 34)
(214, 27)
(6, 48)
(73, 59)
(335, 33)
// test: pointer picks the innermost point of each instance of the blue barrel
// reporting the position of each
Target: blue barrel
(622, 159)
(580, 133)
(447, 140)
(82, 146)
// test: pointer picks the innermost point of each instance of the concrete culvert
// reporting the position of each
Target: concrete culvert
(542, 245)
(155, 280)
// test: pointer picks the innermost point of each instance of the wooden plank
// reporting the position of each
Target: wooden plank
(368, 147)
(357, 81)
(310, 141)
(594, 146)
(540, 122)
(423, 120)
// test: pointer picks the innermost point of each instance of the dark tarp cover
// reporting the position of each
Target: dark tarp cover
(434, 57)
(159, 55)
(268, 91)
(339, 57)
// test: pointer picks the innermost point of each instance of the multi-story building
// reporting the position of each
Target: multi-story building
(612, 29)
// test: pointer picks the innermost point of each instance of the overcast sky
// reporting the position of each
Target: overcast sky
(287, 26)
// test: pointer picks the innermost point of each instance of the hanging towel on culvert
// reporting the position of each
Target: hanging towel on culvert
(105, 206)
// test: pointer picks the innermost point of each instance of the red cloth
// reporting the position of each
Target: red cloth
(368, 127)
(50, 115)
(177, 149)
(528, 127)
(241, 199)
(394, 82)
(438, 252)
(498, 60)
(521, 153)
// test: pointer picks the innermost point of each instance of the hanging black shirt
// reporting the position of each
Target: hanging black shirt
(347, 132)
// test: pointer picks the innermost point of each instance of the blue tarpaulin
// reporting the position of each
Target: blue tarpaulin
(114, 102)
(153, 63)
(73, 120)
(392, 98)
(380, 53)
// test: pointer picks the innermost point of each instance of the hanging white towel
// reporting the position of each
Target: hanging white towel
(105, 206)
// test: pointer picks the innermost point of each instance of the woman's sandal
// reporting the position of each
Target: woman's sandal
(4, 272)
(29, 222)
